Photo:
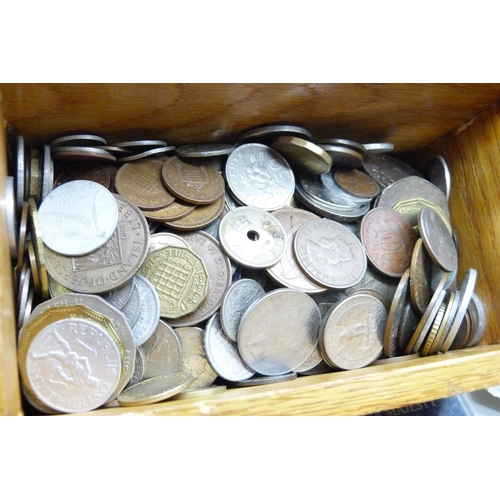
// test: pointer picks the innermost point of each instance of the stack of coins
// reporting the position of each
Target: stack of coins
(146, 272)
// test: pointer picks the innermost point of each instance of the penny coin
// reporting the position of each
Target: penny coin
(343, 157)
(263, 380)
(252, 237)
(175, 211)
(111, 265)
(149, 315)
(145, 154)
(223, 354)
(180, 278)
(279, 331)
(385, 170)
(420, 277)
(436, 171)
(379, 147)
(329, 253)
(94, 172)
(287, 271)
(388, 240)
(75, 153)
(203, 150)
(219, 277)
(155, 389)
(47, 173)
(78, 217)
(303, 155)
(356, 183)
(195, 180)
(352, 334)
(259, 177)
(162, 352)
(140, 182)
(268, 133)
(437, 240)
(478, 320)
(194, 358)
(78, 140)
(237, 299)
(333, 194)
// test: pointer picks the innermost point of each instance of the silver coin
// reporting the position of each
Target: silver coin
(204, 150)
(73, 365)
(259, 177)
(379, 147)
(385, 170)
(356, 146)
(138, 374)
(78, 217)
(145, 154)
(20, 173)
(145, 143)
(162, 352)
(312, 362)
(162, 240)
(279, 332)
(47, 173)
(372, 280)
(11, 215)
(478, 318)
(263, 380)
(338, 193)
(230, 201)
(149, 316)
(330, 254)
(78, 140)
(252, 237)
(119, 296)
(132, 308)
(343, 157)
(223, 354)
(76, 153)
(436, 171)
(267, 133)
(238, 298)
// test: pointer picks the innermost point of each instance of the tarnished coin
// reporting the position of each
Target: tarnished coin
(287, 271)
(111, 265)
(259, 177)
(162, 352)
(478, 320)
(433, 346)
(238, 298)
(343, 157)
(203, 150)
(268, 133)
(140, 182)
(329, 253)
(420, 277)
(409, 321)
(78, 217)
(73, 365)
(219, 277)
(90, 171)
(194, 358)
(303, 155)
(142, 144)
(222, 353)
(437, 240)
(353, 332)
(149, 315)
(356, 183)
(279, 331)
(155, 389)
(388, 240)
(386, 170)
(195, 180)
(464, 334)
(77, 153)
(78, 140)
(180, 278)
(252, 237)
(436, 171)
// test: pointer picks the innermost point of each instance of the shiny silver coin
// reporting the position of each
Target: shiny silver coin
(145, 154)
(204, 150)
(78, 217)
(20, 173)
(149, 316)
(142, 144)
(268, 133)
(259, 177)
(238, 298)
(223, 354)
(343, 157)
(338, 193)
(132, 309)
(47, 173)
(77, 153)
(138, 374)
(356, 146)
(119, 296)
(436, 171)
(252, 237)
(379, 147)
(11, 215)
(262, 380)
(78, 140)
(385, 170)
(279, 332)
(478, 319)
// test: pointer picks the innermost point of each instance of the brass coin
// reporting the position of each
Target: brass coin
(388, 240)
(175, 211)
(412, 207)
(432, 335)
(391, 345)
(451, 308)
(140, 182)
(420, 277)
(85, 171)
(195, 180)
(36, 236)
(303, 155)
(356, 183)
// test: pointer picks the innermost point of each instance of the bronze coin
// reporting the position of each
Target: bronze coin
(140, 182)
(356, 183)
(388, 239)
(174, 211)
(420, 277)
(85, 171)
(195, 180)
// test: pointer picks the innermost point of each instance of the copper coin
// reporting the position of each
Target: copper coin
(140, 182)
(85, 171)
(175, 211)
(420, 277)
(356, 183)
(391, 346)
(195, 180)
(388, 239)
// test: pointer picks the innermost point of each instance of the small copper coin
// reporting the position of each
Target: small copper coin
(195, 180)
(85, 171)
(420, 277)
(140, 182)
(388, 239)
(356, 183)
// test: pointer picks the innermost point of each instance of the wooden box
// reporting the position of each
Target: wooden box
(459, 121)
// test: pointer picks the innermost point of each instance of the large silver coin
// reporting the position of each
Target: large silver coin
(238, 298)
(78, 217)
(149, 316)
(259, 177)
(73, 365)
(223, 354)
(330, 254)
(279, 332)
(252, 237)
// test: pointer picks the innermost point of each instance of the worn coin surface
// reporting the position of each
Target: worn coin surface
(194, 180)
(279, 331)
(259, 177)
(132, 309)
(386, 170)
(238, 298)
(119, 296)
(329, 253)
(388, 239)
(252, 237)
(356, 183)
(149, 315)
(420, 277)
(303, 155)
(352, 334)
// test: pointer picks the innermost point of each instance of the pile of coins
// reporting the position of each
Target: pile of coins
(145, 271)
